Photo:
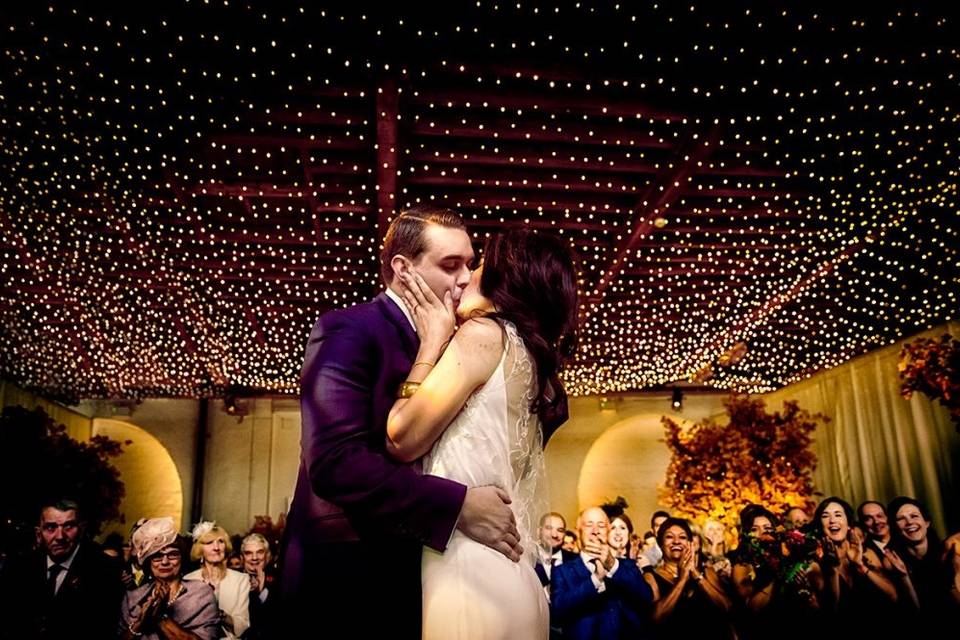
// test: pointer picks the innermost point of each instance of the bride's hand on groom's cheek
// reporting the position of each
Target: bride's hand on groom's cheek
(434, 318)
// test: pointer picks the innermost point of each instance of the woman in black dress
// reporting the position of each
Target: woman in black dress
(691, 602)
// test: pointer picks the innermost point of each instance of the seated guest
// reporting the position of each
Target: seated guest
(66, 588)
(166, 607)
(211, 545)
(691, 602)
(598, 596)
(255, 551)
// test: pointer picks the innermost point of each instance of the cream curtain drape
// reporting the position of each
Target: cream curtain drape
(878, 445)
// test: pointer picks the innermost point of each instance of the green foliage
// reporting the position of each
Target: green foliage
(40, 462)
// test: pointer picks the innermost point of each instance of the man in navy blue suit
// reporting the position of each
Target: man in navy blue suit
(598, 596)
(359, 519)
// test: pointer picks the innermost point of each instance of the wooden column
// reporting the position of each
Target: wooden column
(387, 117)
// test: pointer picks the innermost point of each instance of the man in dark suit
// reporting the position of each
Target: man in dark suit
(873, 515)
(67, 588)
(550, 552)
(359, 519)
(598, 596)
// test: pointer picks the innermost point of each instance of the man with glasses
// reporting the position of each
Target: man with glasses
(67, 588)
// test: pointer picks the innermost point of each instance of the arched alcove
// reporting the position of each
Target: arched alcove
(148, 472)
(629, 459)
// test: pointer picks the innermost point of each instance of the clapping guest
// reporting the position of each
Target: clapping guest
(597, 596)
(691, 602)
(166, 607)
(855, 583)
(714, 546)
(255, 551)
(211, 544)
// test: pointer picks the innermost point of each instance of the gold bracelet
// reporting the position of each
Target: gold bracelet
(407, 389)
(429, 364)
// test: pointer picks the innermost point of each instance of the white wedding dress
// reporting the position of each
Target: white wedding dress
(471, 592)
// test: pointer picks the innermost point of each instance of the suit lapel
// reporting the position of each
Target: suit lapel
(393, 313)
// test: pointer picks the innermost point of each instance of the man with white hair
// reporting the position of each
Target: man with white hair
(599, 597)
(255, 551)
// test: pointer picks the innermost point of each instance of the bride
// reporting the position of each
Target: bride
(471, 408)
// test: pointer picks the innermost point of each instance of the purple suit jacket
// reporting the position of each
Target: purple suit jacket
(348, 486)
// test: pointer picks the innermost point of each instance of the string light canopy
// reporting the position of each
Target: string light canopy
(756, 192)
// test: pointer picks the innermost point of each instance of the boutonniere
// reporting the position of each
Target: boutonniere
(73, 582)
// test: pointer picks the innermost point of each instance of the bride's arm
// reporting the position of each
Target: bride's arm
(415, 423)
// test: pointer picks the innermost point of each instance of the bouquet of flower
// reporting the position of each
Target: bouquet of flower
(801, 548)
(783, 556)
(932, 367)
(764, 555)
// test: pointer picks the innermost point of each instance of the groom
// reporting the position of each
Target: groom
(358, 521)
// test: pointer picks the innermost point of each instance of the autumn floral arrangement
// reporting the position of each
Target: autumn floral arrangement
(932, 367)
(720, 465)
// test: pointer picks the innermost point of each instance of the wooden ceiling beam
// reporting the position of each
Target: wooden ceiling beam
(661, 193)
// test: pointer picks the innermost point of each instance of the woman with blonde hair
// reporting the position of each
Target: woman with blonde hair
(212, 547)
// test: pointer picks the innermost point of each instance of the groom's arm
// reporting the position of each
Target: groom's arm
(343, 450)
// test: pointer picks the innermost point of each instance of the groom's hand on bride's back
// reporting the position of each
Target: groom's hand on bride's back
(487, 518)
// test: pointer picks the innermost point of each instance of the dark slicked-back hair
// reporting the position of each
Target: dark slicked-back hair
(405, 236)
(60, 504)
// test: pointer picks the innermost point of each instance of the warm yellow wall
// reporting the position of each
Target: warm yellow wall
(616, 450)
(252, 462)
(149, 475)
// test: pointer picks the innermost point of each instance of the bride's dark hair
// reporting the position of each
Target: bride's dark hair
(531, 279)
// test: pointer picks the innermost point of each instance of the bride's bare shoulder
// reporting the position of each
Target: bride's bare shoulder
(481, 337)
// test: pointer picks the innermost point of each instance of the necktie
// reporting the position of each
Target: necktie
(55, 571)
